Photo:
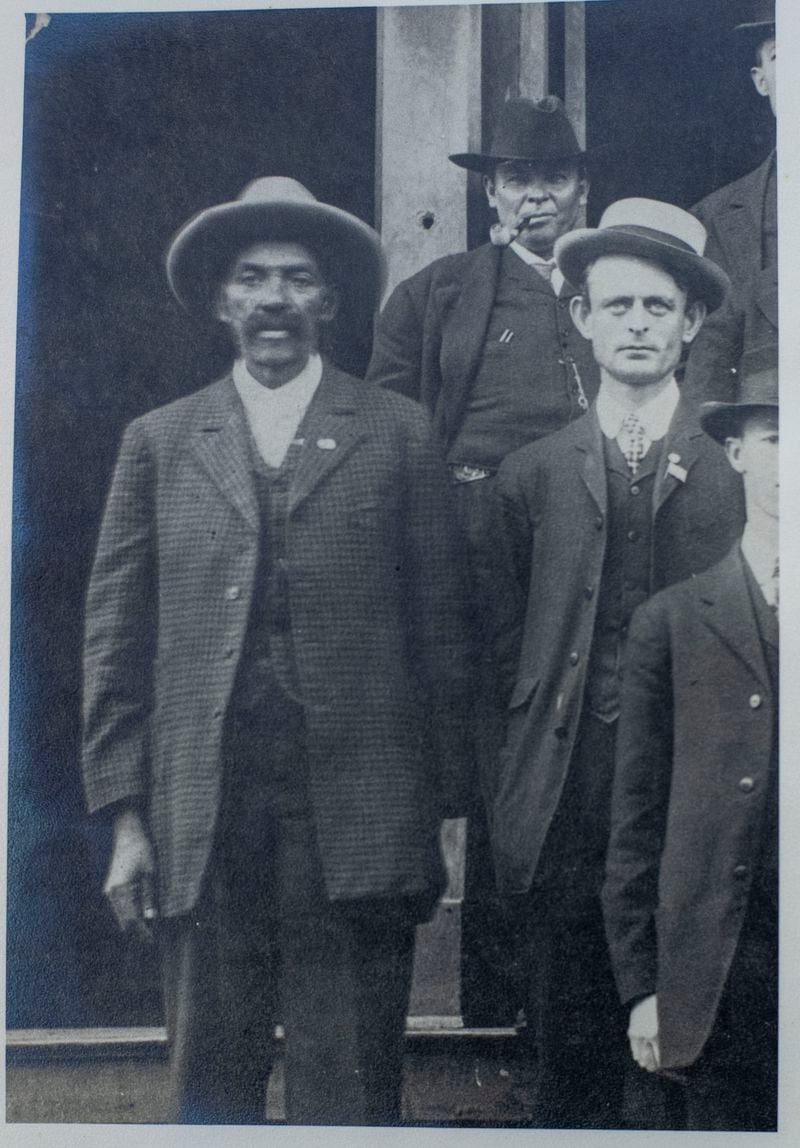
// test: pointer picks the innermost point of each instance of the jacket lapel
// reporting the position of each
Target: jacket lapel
(728, 610)
(330, 429)
(739, 226)
(221, 443)
(681, 450)
(464, 333)
(589, 443)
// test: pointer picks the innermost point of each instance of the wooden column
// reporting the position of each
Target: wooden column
(428, 107)
(575, 65)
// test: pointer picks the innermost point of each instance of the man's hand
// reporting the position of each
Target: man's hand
(130, 884)
(643, 1033)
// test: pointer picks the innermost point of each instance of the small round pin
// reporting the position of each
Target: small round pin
(326, 443)
(673, 457)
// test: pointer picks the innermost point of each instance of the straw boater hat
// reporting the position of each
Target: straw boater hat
(758, 387)
(276, 208)
(652, 230)
(535, 131)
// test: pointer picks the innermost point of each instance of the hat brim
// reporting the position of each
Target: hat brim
(201, 253)
(479, 161)
(724, 420)
(754, 26)
(577, 249)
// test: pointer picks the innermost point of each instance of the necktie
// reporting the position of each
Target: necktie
(545, 269)
(633, 442)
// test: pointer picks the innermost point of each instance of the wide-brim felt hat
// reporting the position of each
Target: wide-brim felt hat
(758, 388)
(659, 232)
(533, 131)
(760, 18)
(276, 208)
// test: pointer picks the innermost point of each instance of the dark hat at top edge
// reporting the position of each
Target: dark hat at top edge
(533, 131)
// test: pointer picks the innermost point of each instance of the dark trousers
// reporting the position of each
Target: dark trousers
(576, 1022)
(490, 992)
(264, 945)
(734, 1084)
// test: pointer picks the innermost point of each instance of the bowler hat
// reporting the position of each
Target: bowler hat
(758, 387)
(281, 209)
(535, 131)
(652, 230)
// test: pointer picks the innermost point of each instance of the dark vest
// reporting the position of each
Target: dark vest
(532, 377)
(626, 580)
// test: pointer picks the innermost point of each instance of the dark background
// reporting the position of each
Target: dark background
(132, 124)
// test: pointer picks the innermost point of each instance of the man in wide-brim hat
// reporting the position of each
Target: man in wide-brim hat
(274, 631)
(592, 520)
(484, 339)
(691, 897)
(742, 224)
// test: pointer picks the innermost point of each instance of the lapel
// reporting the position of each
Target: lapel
(330, 429)
(464, 332)
(682, 441)
(739, 225)
(726, 607)
(221, 443)
(589, 443)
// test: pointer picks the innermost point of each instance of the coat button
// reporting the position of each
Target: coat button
(599, 522)
(740, 871)
(574, 658)
(588, 591)
(232, 593)
(755, 701)
(747, 785)
(635, 489)
(633, 535)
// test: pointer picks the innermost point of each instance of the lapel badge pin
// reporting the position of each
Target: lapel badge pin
(326, 443)
(674, 468)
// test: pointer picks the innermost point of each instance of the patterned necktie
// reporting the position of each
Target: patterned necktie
(632, 440)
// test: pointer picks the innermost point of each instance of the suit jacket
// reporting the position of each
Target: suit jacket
(550, 554)
(379, 635)
(734, 219)
(693, 754)
(431, 334)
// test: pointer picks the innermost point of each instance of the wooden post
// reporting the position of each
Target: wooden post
(428, 106)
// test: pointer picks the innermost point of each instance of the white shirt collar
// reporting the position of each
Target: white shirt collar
(556, 279)
(760, 550)
(655, 415)
(275, 414)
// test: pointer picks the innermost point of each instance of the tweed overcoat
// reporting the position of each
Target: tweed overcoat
(697, 717)
(552, 522)
(377, 618)
(734, 219)
(431, 334)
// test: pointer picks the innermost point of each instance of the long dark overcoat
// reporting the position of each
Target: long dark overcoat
(734, 219)
(431, 334)
(553, 504)
(376, 605)
(693, 753)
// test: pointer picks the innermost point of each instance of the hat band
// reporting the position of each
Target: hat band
(662, 237)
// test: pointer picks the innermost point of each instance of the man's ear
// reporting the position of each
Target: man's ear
(330, 305)
(220, 307)
(581, 314)
(759, 80)
(489, 188)
(733, 449)
(584, 186)
(695, 317)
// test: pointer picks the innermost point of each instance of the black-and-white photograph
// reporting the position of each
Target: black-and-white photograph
(394, 665)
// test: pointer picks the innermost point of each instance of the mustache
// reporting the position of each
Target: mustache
(258, 323)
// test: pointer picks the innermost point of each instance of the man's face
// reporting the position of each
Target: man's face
(636, 317)
(763, 72)
(754, 454)
(274, 300)
(541, 200)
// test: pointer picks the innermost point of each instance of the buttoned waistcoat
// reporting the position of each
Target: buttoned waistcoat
(375, 595)
(431, 333)
(550, 549)
(695, 747)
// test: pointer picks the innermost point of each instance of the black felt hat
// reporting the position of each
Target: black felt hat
(758, 387)
(535, 131)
